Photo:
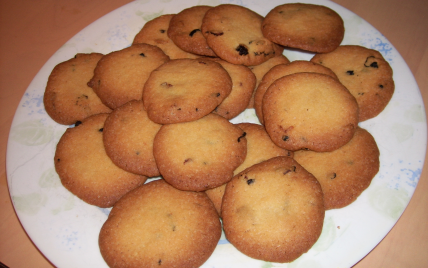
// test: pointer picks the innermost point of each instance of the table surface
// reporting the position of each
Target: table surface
(31, 31)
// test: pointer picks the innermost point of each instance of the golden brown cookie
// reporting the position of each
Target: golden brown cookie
(243, 84)
(346, 172)
(308, 27)
(273, 211)
(185, 31)
(261, 69)
(183, 90)
(365, 73)
(128, 139)
(157, 225)
(67, 98)
(234, 34)
(85, 169)
(201, 154)
(120, 75)
(155, 32)
(309, 110)
(281, 70)
(259, 148)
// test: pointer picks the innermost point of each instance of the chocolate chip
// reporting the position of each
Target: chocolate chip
(216, 34)
(142, 54)
(58, 160)
(242, 50)
(218, 94)
(333, 176)
(250, 181)
(187, 160)
(162, 31)
(243, 135)
(193, 32)
(292, 169)
(381, 86)
(285, 138)
(77, 123)
(160, 262)
(372, 64)
(350, 72)
(197, 109)
(101, 129)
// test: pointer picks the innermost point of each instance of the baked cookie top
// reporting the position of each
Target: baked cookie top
(183, 90)
(85, 169)
(237, 39)
(346, 172)
(308, 27)
(185, 31)
(120, 75)
(157, 225)
(128, 139)
(280, 70)
(309, 111)
(273, 211)
(365, 73)
(155, 32)
(68, 98)
(259, 148)
(201, 154)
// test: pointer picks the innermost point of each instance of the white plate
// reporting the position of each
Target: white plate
(65, 229)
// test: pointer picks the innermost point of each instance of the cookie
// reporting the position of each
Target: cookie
(309, 111)
(261, 69)
(185, 31)
(365, 73)
(157, 225)
(273, 211)
(67, 98)
(309, 27)
(120, 75)
(184, 90)
(128, 139)
(234, 34)
(281, 70)
(259, 148)
(243, 84)
(346, 172)
(85, 169)
(155, 32)
(201, 154)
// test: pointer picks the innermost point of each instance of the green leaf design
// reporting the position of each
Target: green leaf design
(328, 235)
(30, 203)
(68, 204)
(149, 16)
(49, 179)
(390, 202)
(31, 133)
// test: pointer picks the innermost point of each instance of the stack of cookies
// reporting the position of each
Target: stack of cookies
(161, 108)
